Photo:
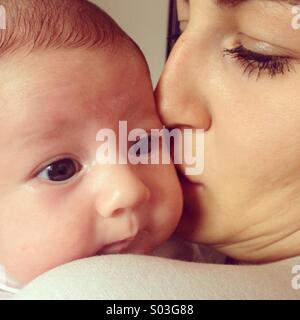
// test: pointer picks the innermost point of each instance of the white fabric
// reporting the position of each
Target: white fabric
(8, 287)
(119, 277)
(143, 277)
(6, 295)
(174, 248)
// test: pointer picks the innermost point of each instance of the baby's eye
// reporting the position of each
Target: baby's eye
(142, 146)
(61, 170)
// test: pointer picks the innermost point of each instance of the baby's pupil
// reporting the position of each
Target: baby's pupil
(61, 170)
(143, 141)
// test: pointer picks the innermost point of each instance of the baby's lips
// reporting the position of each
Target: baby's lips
(141, 244)
(138, 244)
(116, 247)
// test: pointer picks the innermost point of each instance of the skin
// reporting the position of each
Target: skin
(246, 203)
(53, 103)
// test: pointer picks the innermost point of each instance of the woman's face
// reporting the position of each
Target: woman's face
(235, 73)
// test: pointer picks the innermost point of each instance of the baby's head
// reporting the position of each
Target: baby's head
(67, 71)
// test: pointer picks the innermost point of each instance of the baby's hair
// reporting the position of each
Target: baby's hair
(47, 24)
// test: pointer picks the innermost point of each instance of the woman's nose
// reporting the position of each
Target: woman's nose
(179, 93)
(123, 192)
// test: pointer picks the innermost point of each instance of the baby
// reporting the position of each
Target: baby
(67, 71)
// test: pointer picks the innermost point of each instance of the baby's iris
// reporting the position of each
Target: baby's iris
(60, 170)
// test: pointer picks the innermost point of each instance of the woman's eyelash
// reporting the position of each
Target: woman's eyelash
(253, 62)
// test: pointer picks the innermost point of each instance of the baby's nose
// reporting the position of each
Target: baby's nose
(124, 191)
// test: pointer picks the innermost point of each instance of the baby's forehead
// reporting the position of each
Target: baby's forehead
(49, 91)
(74, 106)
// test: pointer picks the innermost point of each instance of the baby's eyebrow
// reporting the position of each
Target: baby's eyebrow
(40, 135)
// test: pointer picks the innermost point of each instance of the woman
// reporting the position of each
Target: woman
(234, 72)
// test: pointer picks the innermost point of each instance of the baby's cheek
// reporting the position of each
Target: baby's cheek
(36, 258)
(25, 269)
(39, 246)
(22, 266)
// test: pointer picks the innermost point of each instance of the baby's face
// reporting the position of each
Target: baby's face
(57, 203)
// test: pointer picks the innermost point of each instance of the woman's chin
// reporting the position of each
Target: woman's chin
(190, 223)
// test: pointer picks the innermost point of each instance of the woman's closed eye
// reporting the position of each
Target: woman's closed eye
(60, 171)
(259, 64)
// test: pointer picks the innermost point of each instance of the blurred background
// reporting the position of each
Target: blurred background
(151, 23)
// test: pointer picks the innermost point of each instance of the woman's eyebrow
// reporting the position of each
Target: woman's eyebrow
(234, 3)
